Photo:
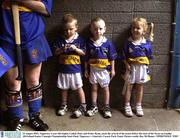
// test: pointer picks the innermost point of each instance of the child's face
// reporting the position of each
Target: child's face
(70, 29)
(137, 30)
(98, 29)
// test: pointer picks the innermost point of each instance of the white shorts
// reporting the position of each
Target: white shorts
(71, 81)
(100, 76)
(139, 74)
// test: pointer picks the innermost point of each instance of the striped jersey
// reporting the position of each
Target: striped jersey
(100, 55)
(69, 60)
(137, 53)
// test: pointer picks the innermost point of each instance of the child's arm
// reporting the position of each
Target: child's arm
(35, 5)
(86, 73)
(59, 51)
(77, 50)
(128, 66)
(112, 68)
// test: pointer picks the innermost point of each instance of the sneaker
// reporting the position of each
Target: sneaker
(37, 124)
(107, 112)
(93, 110)
(81, 110)
(139, 111)
(15, 124)
(128, 111)
(62, 110)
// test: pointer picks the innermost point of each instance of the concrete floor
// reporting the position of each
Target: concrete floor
(153, 120)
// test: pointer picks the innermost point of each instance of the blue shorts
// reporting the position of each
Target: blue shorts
(5, 62)
(33, 52)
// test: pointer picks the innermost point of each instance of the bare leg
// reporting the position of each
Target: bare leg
(81, 95)
(64, 97)
(106, 95)
(128, 94)
(139, 93)
(94, 93)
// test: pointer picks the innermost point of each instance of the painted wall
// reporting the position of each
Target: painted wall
(118, 15)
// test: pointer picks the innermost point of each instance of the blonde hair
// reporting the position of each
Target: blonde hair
(97, 19)
(68, 18)
(143, 21)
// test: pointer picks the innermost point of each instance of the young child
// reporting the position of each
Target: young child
(100, 58)
(136, 54)
(69, 48)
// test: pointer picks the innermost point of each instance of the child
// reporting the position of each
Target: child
(100, 57)
(136, 54)
(35, 50)
(69, 48)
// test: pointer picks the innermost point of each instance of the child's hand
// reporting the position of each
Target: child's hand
(86, 74)
(73, 47)
(128, 66)
(112, 73)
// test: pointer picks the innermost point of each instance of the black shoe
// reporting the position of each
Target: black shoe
(15, 124)
(37, 124)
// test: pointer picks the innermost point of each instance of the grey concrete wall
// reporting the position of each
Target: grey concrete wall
(118, 15)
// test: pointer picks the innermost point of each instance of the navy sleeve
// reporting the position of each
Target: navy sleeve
(48, 5)
(112, 52)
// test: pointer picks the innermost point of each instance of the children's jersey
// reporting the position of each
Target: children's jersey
(69, 60)
(101, 55)
(137, 54)
(31, 23)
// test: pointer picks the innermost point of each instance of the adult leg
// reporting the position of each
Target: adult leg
(34, 96)
(14, 100)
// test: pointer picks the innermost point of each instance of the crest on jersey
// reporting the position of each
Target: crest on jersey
(130, 50)
(34, 53)
(3, 60)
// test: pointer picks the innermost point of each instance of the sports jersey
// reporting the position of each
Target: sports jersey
(69, 60)
(5, 62)
(99, 56)
(137, 53)
(31, 23)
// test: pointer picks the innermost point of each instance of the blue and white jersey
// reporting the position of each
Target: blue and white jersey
(31, 23)
(137, 53)
(69, 60)
(100, 55)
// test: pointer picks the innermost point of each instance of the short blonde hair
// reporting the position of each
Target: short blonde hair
(142, 20)
(96, 19)
(68, 18)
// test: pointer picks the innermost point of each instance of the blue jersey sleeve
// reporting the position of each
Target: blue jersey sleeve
(149, 50)
(112, 52)
(48, 5)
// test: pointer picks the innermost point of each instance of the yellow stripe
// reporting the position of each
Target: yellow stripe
(139, 60)
(99, 63)
(69, 59)
(7, 5)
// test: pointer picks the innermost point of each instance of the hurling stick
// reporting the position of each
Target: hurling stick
(151, 34)
(15, 12)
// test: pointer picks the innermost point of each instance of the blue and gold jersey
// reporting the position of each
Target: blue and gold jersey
(137, 53)
(99, 56)
(69, 60)
(31, 23)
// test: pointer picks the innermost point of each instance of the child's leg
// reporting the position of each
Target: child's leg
(139, 95)
(94, 94)
(64, 97)
(106, 96)
(81, 110)
(81, 95)
(127, 96)
(63, 108)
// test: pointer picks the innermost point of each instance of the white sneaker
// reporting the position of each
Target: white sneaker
(139, 111)
(93, 110)
(80, 111)
(107, 112)
(62, 110)
(128, 111)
